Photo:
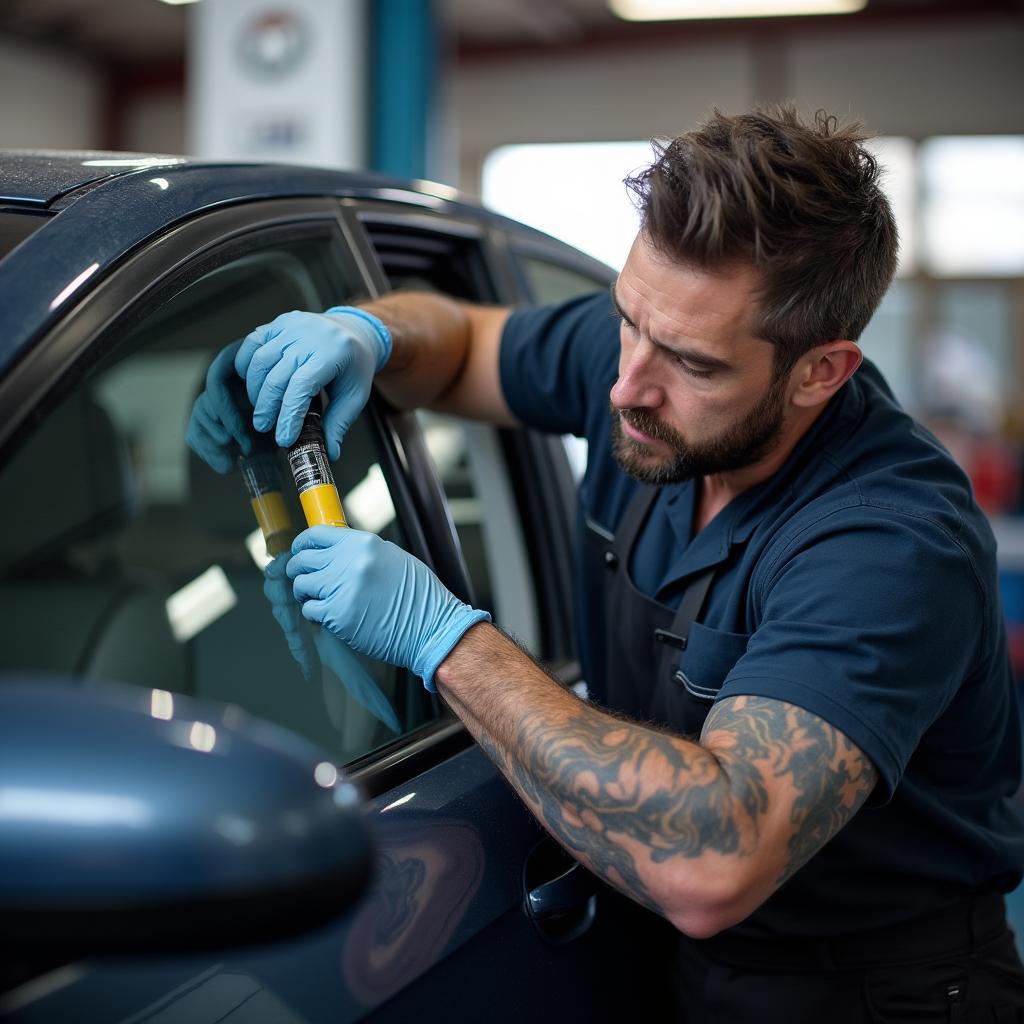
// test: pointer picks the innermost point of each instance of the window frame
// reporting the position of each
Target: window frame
(536, 463)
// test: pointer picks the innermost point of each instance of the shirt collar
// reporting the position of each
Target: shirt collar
(735, 523)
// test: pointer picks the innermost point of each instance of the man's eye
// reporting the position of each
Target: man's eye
(692, 370)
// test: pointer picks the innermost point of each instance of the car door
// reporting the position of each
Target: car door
(109, 519)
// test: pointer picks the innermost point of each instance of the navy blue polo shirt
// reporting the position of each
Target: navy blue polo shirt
(859, 583)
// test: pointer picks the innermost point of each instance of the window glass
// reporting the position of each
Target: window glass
(548, 282)
(973, 205)
(125, 556)
(968, 352)
(572, 190)
(888, 340)
(897, 158)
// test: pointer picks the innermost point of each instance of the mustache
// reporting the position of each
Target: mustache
(647, 423)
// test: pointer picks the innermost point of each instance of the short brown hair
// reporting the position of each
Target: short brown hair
(800, 202)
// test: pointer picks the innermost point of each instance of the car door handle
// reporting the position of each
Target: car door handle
(563, 907)
(568, 891)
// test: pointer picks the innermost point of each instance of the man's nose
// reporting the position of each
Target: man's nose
(637, 386)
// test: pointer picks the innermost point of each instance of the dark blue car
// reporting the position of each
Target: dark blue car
(180, 836)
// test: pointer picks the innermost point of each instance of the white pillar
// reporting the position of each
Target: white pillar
(279, 80)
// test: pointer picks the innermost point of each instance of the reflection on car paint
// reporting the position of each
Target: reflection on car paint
(427, 873)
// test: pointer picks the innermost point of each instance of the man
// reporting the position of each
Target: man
(787, 596)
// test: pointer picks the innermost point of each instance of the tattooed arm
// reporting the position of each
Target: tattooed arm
(701, 833)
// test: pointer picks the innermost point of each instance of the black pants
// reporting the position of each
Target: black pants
(962, 968)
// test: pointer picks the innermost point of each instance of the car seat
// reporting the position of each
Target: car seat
(66, 602)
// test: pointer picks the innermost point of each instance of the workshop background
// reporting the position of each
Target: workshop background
(541, 107)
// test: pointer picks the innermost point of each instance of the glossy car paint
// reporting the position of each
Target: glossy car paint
(137, 798)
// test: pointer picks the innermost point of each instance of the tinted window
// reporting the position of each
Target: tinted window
(549, 282)
(125, 556)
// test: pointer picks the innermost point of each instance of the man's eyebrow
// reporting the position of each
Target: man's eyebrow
(618, 308)
(689, 354)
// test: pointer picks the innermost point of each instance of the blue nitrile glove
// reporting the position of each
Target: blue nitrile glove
(285, 364)
(379, 599)
(218, 423)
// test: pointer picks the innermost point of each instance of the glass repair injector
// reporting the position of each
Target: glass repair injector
(263, 485)
(313, 478)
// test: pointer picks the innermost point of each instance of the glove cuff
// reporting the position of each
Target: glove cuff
(383, 335)
(441, 644)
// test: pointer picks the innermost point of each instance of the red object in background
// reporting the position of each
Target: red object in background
(994, 469)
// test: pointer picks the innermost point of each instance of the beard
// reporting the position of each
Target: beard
(739, 446)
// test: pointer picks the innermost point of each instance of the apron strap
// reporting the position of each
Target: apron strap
(696, 590)
(688, 611)
(632, 519)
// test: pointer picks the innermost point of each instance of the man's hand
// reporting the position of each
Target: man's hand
(285, 364)
(218, 427)
(379, 599)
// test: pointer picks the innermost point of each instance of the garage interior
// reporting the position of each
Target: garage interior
(509, 100)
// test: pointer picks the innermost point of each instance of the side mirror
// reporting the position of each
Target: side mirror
(135, 820)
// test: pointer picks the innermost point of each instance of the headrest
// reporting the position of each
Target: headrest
(70, 481)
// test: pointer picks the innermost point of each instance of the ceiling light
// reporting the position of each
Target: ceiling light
(673, 10)
(175, 3)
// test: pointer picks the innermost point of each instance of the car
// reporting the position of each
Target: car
(191, 827)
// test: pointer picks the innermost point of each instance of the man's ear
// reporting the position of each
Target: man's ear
(823, 371)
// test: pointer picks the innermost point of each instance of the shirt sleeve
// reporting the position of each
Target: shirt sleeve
(871, 619)
(555, 359)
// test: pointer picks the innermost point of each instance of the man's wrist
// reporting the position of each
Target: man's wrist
(385, 343)
(462, 663)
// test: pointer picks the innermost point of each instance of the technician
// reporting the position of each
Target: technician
(802, 741)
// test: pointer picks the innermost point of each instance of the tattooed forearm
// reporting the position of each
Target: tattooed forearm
(767, 786)
(601, 782)
(830, 777)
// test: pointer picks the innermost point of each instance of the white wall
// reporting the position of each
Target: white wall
(908, 79)
(48, 100)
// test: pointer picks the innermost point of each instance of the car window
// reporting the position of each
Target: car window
(468, 457)
(549, 282)
(125, 556)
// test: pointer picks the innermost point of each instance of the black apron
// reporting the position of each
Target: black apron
(662, 665)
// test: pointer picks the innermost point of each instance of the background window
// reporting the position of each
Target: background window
(571, 190)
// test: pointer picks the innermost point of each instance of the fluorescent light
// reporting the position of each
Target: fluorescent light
(673, 10)
(178, 3)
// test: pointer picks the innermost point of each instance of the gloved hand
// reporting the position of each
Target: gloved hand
(218, 423)
(285, 364)
(379, 599)
(334, 655)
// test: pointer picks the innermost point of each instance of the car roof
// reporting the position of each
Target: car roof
(38, 178)
(108, 204)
